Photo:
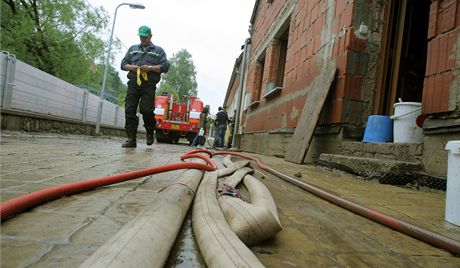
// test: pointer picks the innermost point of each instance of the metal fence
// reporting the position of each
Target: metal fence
(24, 87)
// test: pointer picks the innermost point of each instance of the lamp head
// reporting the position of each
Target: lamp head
(136, 6)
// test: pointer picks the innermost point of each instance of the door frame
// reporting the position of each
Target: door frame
(386, 90)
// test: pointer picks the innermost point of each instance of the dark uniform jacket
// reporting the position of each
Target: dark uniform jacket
(150, 55)
(221, 118)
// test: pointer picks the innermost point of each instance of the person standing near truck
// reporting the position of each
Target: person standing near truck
(145, 62)
(221, 123)
(200, 135)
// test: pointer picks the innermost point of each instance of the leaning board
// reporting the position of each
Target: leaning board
(303, 133)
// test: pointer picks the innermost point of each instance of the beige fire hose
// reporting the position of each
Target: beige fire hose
(147, 239)
(252, 222)
(231, 167)
(218, 244)
(236, 177)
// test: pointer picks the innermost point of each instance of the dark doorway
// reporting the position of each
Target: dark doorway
(404, 51)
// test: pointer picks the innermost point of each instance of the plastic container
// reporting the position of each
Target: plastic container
(379, 128)
(453, 183)
(405, 129)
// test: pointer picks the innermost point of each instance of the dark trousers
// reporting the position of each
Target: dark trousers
(143, 96)
(219, 140)
(198, 140)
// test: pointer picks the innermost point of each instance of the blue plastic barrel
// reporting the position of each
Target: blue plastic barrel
(379, 128)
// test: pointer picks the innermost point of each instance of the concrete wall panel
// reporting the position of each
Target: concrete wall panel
(39, 92)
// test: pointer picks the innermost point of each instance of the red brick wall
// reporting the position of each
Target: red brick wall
(303, 60)
(441, 71)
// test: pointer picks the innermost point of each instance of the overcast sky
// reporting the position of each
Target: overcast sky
(213, 31)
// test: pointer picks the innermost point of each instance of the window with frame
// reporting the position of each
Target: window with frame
(282, 58)
(276, 54)
(256, 83)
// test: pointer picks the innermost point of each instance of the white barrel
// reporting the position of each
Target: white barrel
(453, 183)
(405, 129)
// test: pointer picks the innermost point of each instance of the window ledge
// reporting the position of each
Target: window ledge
(253, 104)
(275, 91)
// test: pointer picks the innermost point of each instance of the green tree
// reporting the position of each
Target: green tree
(181, 78)
(60, 37)
(166, 87)
(114, 85)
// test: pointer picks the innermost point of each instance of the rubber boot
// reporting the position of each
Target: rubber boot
(150, 135)
(131, 142)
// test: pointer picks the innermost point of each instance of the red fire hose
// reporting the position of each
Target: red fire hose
(28, 201)
(22, 203)
(414, 231)
(193, 154)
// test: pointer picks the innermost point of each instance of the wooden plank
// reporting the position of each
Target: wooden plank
(303, 133)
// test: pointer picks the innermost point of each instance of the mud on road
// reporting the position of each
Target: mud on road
(316, 233)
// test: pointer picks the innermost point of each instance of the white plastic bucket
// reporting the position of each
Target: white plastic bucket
(453, 183)
(405, 129)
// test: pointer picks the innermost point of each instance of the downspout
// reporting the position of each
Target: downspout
(247, 43)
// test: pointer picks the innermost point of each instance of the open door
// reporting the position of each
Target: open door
(403, 54)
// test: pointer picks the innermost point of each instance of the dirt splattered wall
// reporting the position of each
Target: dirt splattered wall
(317, 32)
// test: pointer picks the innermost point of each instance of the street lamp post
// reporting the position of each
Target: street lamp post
(107, 59)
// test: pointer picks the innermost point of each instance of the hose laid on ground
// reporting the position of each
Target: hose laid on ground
(414, 231)
(252, 222)
(28, 201)
(232, 167)
(219, 245)
(236, 177)
(148, 238)
(262, 196)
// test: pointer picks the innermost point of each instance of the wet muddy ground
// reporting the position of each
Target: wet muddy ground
(316, 233)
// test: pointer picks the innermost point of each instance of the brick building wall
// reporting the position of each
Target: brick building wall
(319, 31)
(442, 80)
(353, 34)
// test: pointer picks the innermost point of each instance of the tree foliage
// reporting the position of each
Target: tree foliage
(114, 85)
(181, 78)
(60, 37)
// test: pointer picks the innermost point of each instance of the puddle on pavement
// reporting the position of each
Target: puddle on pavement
(185, 252)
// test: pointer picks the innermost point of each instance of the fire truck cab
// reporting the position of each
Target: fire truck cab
(177, 120)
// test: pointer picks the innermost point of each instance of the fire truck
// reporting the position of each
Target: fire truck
(177, 120)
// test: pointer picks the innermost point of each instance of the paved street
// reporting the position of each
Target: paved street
(316, 233)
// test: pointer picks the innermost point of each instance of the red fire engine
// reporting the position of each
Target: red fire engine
(177, 120)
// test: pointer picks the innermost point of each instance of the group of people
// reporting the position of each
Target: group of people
(145, 62)
(220, 123)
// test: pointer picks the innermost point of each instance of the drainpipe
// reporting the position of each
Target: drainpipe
(235, 141)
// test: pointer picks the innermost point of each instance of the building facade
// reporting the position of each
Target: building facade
(385, 52)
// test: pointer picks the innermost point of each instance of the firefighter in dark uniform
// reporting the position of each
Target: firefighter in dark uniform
(145, 63)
